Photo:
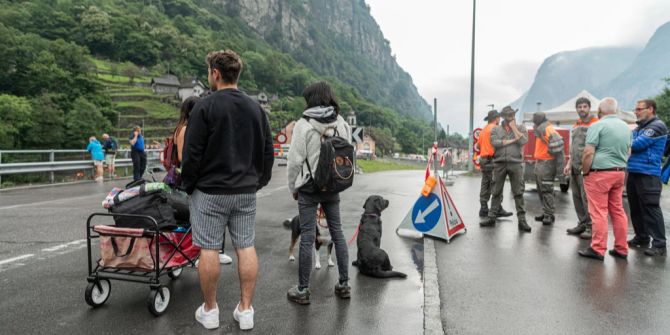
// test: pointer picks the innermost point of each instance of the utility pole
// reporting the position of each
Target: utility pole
(435, 135)
(472, 90)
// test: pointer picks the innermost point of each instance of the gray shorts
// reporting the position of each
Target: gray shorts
(109, 159)
(212, 213)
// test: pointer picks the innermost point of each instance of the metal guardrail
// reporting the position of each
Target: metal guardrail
(52, 165)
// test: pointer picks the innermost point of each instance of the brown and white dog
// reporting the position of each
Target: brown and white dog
(294, 226)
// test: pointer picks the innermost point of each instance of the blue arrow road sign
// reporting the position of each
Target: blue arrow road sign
(426, 212)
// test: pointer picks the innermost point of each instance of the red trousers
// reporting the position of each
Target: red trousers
(604, 191)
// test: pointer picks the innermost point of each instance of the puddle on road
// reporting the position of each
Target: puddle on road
(417, 257)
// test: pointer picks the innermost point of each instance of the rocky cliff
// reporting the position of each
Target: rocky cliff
(335, 38)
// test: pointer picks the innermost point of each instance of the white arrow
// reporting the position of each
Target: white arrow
(356, 135)
(421, 217)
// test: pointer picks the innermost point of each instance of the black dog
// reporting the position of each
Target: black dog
(372, 260)
(294, 225)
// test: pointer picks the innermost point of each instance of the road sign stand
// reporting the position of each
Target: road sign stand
(435, 215)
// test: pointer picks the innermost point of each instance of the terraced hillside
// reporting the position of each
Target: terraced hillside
(137, 104)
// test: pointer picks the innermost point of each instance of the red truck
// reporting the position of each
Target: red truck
(529, 160)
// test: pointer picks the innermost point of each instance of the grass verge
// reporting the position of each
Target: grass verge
(382, 165)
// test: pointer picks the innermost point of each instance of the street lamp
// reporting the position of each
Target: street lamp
(472, 90)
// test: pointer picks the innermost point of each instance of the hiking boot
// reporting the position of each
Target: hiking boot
(586, 234)
(488, 222)
(656, 252)
(298, 296)
(503, 213)
(539, 218)
(617, 254)
(590, 253)
(523, 225)
(483, 211)
(638, 242)
(580, 228)
(343, 290)
(548, 220)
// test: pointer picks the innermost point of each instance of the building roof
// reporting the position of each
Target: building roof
(167, 80)
(191, 83)
(565, 113)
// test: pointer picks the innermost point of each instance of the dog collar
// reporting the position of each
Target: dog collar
(375, 216)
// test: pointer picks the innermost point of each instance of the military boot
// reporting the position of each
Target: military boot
(586, 234)
(539, 218)
(548, 220)
(580, 228)
(523, 225)
(488, 222)
(484, 211)
(503, 213)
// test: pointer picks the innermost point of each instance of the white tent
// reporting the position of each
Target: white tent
(566, 115)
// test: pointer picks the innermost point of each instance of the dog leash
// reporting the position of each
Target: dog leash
(359, 227)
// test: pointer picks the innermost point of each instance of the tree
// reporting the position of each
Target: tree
(383, 139)
(83, 121)
(130, 70)
(15, 119)
(96, 30)
(47, 131)
(663, 103)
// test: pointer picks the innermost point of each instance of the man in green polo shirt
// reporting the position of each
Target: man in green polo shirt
(603, 166)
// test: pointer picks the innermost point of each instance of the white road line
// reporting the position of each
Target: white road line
(48, 202)
(62, 246)
(18, 258)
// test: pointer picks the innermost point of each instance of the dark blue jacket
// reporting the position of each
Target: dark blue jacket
(648, 147)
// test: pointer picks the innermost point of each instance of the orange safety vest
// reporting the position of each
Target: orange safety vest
(580, 123)
(485, 146)
(542, 147)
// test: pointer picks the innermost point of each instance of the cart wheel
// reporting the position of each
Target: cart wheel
(175, 273)
(97, 292)
(157, 304)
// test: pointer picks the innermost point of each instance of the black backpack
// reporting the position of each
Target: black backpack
(335, 167)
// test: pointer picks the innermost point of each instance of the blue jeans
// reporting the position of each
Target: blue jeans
(307, 206)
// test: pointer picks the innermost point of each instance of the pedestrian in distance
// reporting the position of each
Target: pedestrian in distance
(321, 119)
(549, 158)
(573, 168)
(603, 166)
(228, 156)
(486, 165)
(508, 140)
(138, 153)
(110, 145)
(644, 182)
(95, 148)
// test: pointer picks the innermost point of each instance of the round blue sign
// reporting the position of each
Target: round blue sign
(426, 213)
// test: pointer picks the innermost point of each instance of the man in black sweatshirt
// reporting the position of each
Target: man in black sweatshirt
(228, 156)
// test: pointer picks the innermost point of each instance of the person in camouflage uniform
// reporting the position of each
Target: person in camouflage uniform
(573, 168)
(508, 140)
(547, 164)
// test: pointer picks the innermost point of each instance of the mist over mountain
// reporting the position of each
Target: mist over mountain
(626, 73)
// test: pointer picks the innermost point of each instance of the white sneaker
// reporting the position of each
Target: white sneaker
(245, 318)
(225, 259)
(99, 179)
(210, 319)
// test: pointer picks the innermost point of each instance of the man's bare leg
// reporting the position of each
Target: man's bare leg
(247, 267)
(209, 270)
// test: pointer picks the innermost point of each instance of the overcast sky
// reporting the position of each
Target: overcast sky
(432, 39)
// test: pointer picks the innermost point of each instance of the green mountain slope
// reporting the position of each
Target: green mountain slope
(59, 54)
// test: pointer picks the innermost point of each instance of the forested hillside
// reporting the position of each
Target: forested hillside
(73, 68)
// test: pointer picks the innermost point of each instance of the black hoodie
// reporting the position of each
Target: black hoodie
(228, 145)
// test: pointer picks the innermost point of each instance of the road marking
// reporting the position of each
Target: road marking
(62, 246)
(18, 258)
(47, 202)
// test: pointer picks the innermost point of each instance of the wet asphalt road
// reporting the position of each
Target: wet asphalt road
(43, 293)
(499, 281)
